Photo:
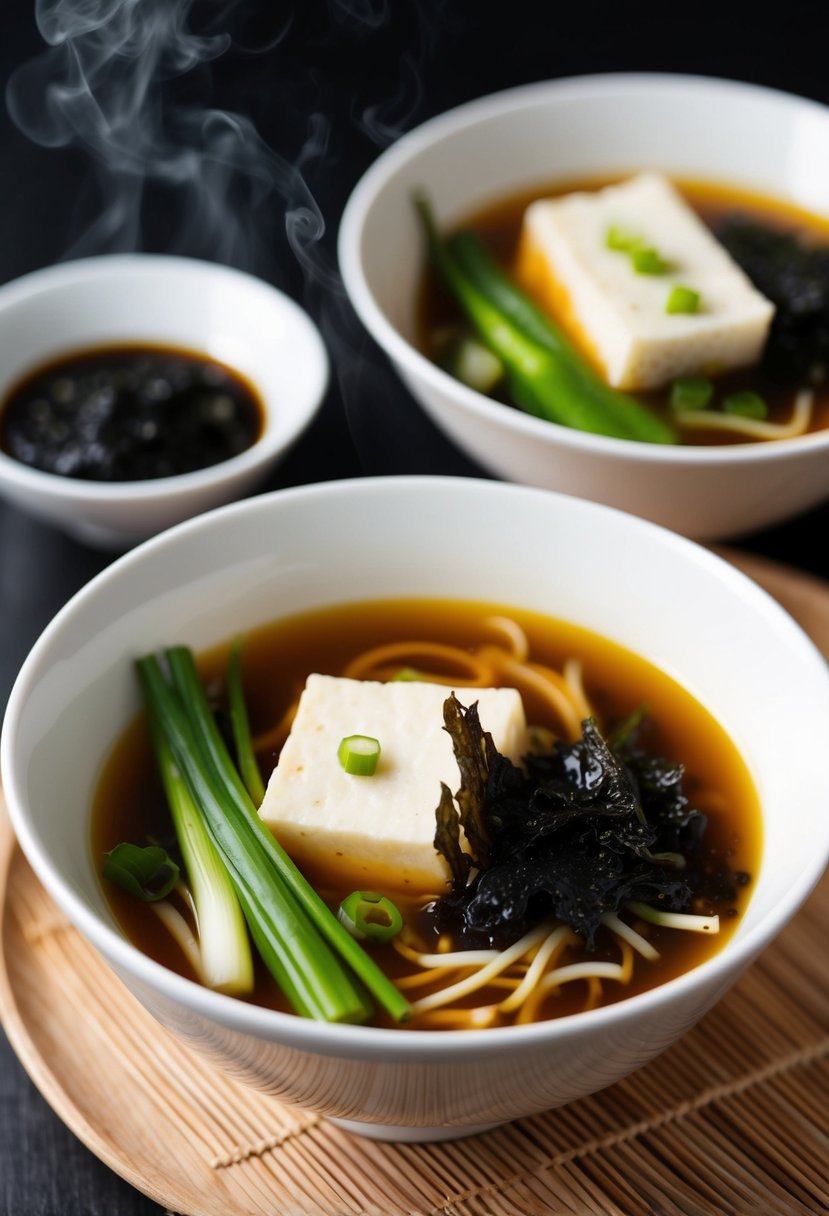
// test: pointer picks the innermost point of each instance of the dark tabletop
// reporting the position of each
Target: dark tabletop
(322, 88)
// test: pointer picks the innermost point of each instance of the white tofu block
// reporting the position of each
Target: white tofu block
(378, 831)
(619, 314)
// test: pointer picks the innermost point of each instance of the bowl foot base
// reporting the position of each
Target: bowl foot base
(410, 1135)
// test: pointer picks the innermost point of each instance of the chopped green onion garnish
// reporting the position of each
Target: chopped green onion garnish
(682, 300)
(621, 239)
(147, 873)
(408, 674)
(469, 361)
(647, 260)
(365, 914)
(643, 257)
(691, 393)
(747, 404)
(358, 754)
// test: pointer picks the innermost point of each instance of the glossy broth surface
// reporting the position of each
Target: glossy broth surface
(278, 658)
(499, 226)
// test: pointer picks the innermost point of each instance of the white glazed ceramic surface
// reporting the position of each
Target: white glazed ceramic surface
(644, 587)
(178, 302)
(565, 130)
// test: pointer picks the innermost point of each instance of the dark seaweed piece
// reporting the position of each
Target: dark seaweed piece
(130, 414)
(471, 745)
(795, 277)
(578, 832)
(448, 837)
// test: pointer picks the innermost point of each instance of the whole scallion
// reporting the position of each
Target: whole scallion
(225, 960)
(545, 374)
(277, 924)
(323, 971)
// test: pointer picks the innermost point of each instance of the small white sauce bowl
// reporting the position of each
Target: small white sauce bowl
(197, 306)
(567, 130)
(209, 579)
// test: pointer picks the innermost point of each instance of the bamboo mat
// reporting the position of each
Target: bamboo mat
(733, 1120)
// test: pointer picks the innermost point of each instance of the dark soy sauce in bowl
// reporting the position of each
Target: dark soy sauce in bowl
(130, 413)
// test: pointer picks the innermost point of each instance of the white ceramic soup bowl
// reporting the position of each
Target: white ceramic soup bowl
(646, 588)
(176, 302)
(567, 130)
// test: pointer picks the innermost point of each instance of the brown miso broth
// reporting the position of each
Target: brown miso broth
(499, 226)
(277, 658)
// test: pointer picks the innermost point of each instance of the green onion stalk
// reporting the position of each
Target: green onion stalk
(321, 969)
(226, 963)
(547, 377)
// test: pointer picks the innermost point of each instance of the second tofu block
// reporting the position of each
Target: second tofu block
(620, 316)
(379, 830)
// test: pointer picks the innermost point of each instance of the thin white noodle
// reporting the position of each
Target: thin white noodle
(634, 939)
(581, 971)
(418, 978)
(464, 1019)
(465, 668)
(471, 983)
(556, 940)
(676, 920)
(180, 931)
(753, 428)
(455, 958)
(573, 674)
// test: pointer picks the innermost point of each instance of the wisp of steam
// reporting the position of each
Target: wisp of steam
(101, 87)
(106, 85)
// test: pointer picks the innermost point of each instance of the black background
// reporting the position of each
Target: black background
(327, 86)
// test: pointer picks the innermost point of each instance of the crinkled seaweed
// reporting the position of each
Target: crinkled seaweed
(575, 833)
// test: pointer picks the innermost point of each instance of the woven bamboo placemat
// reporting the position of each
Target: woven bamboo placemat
(732, 1120)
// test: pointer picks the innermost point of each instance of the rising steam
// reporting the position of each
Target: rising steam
(103, 87)
(128, 82)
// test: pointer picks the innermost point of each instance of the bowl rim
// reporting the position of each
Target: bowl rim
(367, 1041)
(611, 86)
(281, 426)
